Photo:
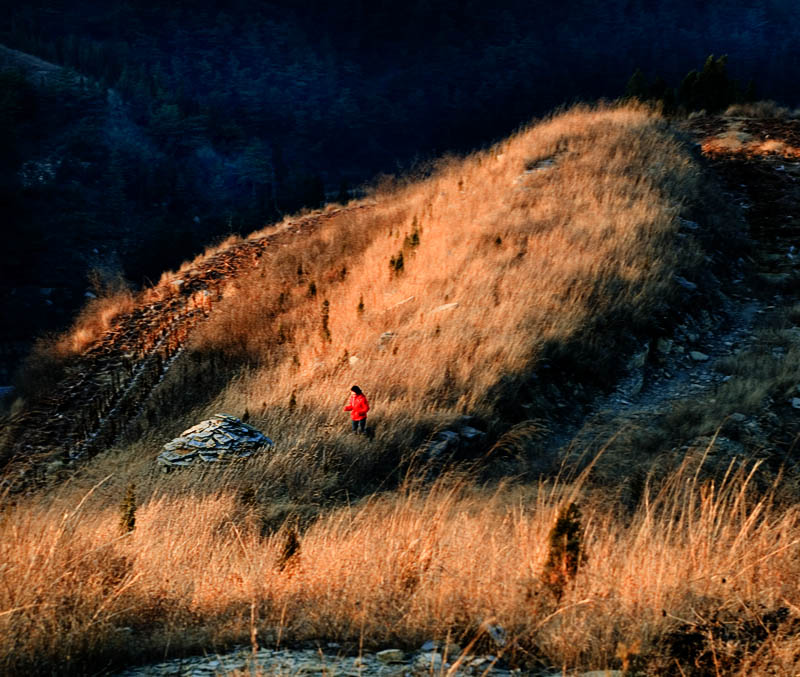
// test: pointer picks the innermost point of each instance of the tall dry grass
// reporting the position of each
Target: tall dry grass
(564, 237)
(529, 257)
(398, 569)
(507, 261)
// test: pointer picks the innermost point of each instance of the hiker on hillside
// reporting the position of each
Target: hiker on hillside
(358, 407)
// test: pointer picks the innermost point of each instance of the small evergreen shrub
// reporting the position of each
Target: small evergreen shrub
(565, 551)
(127, 510)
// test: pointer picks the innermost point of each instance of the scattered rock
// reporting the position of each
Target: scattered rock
(640, 358)
(54, 467)
(444, 442)
(664, 346)
(220, 438)
(308, 661)
(391, 656)
(450, 649)
(446, 306)
(683, 282)
(431, 662)
(400, 303)
(697, 356)
(498, 634)
(471, 434)
(738, 417)
(385, 338)
(541, 165)
(447, 442)
(353, 360)
(796, 402)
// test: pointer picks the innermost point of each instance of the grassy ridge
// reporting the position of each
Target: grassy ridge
(565, 235)
(559, 244)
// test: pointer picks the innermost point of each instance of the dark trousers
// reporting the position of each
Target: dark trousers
(359, 426)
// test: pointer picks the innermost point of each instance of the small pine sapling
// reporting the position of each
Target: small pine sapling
(290, 549)
(127, 510)
(565, 551)
(396, 263)
(325, 330)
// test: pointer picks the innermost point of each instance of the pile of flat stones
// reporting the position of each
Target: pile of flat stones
(220, 438)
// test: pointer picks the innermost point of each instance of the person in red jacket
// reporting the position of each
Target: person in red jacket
(358, 407)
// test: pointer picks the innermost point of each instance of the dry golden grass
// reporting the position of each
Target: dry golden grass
(760, 109)
(574, 254)
(95, 319)
(531, 258)
(395, 569)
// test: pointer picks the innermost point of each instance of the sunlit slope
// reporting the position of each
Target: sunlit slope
(566, 230)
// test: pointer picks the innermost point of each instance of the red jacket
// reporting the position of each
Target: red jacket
(358, 406)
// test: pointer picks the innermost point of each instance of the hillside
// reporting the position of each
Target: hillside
(531, 288)
(555, 250)
(136, 135)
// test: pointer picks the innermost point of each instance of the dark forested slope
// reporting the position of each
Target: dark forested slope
(197, 119)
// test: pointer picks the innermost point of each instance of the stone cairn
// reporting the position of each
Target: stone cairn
(220, 438)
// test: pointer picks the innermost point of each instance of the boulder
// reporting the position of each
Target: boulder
(445, 441)
(664, 345)
(429, 662)
(471, 435)
(697, 356)
(220, 438)
(686, 284)
(391, 656)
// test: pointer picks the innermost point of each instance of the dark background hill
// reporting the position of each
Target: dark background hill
(173, 125)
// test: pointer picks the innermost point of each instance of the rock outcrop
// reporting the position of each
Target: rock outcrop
(220, 438)
(448, 442)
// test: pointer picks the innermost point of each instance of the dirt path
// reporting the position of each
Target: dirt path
(759, 163)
